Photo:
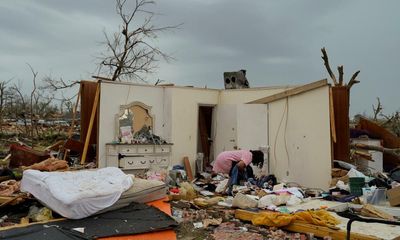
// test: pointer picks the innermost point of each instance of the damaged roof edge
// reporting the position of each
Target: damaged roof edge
(191, 87)
(291, 92)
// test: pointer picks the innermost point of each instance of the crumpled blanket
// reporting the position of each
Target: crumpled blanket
(276, 219)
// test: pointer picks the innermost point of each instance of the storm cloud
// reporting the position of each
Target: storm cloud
(278, 42)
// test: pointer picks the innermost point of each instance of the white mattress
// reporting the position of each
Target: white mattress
(77, 194)
(142, 191)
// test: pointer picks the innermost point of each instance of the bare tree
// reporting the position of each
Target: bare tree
(32, 100)
(131, 52)
(353, 79)
(3, 95)
(20, 100)
(53, 84)
(377, 109)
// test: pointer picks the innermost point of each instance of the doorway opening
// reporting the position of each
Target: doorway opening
(205, 140)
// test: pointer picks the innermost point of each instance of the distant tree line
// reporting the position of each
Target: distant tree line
(30, 114)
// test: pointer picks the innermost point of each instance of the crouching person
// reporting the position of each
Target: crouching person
(237, 165)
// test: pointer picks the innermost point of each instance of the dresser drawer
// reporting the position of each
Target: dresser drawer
(112, 150)
(127, 149)
(162, 161)
(145, 149)
(163, 149)
(134, 162)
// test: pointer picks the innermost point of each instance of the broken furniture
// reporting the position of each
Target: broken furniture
(22, 155)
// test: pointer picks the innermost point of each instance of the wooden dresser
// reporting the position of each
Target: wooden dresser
(138, 156)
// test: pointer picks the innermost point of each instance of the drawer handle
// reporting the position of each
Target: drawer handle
(162, 149)
(151, 161)
(145, 150)
(120, 156)
(127, 150)
(130, 163)
(142, 162)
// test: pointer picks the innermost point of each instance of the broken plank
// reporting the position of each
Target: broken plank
(188, 169)
(321, 231)
(303, 227)
(24, 224)
(291, 92)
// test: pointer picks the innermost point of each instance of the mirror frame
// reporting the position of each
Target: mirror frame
(130, 105)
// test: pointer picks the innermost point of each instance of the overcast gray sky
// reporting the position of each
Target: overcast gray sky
(278, 42)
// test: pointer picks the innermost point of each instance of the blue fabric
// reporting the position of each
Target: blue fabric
(235, 176)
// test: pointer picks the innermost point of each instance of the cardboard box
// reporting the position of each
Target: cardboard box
(394, 196)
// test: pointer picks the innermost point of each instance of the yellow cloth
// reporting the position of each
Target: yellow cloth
(317, 217)
(274, 219)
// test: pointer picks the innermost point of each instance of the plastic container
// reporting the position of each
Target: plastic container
(378, 197)
(356, 185)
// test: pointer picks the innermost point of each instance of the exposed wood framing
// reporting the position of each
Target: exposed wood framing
(291, 92)
(332, 116)
(91, 123)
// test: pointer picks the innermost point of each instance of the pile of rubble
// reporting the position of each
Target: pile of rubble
(262, 208)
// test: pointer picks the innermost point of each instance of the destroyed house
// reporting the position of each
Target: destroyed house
(291, 124)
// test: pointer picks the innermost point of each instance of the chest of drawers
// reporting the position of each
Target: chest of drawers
(138, 156)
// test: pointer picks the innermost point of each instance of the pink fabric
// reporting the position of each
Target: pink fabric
(224, 160)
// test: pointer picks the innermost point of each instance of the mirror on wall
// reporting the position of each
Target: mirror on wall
(131, 119)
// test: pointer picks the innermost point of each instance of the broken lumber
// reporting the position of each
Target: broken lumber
(370, 211)
(303, 227)
(291, 92)
(395, 151)
(188, 169)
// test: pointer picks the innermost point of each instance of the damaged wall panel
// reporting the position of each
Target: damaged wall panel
(299, 137)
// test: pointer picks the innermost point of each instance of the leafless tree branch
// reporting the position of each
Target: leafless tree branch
(328, 67)
(353, 80)
(131, 51)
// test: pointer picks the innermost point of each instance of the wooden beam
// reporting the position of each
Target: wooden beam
(89, 131)
(303, 227)
(188, 169)
(321, 231)
(332, 115)
(21, 225)
(291, 92)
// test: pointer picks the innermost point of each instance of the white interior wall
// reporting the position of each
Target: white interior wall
(299, 136)
(185, 104)
(238, 96)
(113, 95)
